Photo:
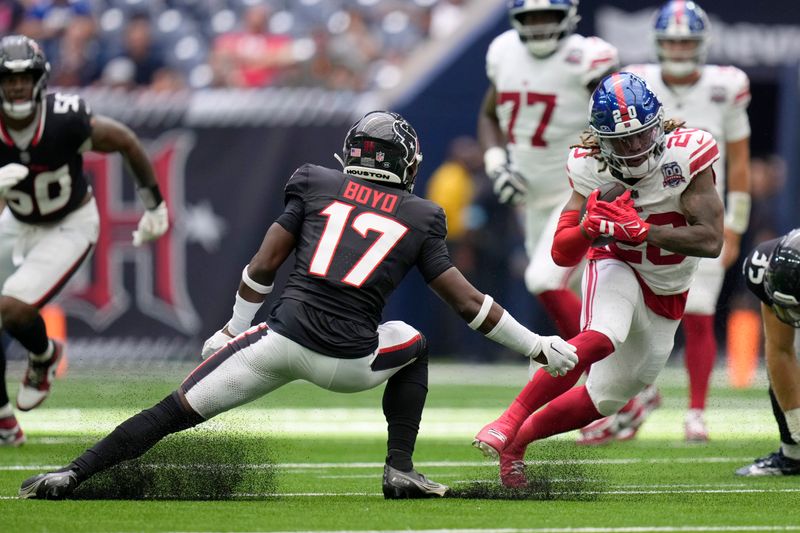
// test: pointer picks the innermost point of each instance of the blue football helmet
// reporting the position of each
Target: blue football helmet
(543, 38)
(682, 31)
(627, 119)
(782, 279)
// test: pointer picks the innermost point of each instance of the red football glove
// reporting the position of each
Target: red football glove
(621, 221)
(590, 225)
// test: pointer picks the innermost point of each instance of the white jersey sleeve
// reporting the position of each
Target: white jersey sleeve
(582, 171)
(737, 125)
(600, 58)
(695, 150)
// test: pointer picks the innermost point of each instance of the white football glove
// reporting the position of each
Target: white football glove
(509, 185)
(214, 343)
(561, 357)
(10, 175)
(153, 224)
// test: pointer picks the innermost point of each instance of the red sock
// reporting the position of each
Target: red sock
(572, 410)
(701, 353)
(591, 347)
(564, 307)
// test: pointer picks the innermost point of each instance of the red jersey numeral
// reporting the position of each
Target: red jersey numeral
(549, 101)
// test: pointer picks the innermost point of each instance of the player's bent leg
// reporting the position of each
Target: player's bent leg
(253, 364)
(25, 324)
(51, 256)
(572, 410)
(129, 440)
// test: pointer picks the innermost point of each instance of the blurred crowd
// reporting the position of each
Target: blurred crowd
(168, 45)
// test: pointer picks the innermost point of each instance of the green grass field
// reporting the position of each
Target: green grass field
(309, 460)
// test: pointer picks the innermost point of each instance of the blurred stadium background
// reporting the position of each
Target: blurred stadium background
(232, 95)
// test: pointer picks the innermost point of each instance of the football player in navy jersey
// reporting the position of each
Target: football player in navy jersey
(51, 221)
(772, 273)
(355, 234)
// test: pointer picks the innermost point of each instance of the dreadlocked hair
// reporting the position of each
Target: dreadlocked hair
(589, 141)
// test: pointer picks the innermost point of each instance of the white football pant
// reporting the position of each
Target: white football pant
(36, 261)
(705, 289)
(260, 360)
(613, 304)
(542, 274)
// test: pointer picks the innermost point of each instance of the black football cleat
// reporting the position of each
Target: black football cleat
(49, 486)
(774, 464)
(399, 485)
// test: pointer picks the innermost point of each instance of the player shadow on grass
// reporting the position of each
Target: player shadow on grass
(192, 466)
(558, 471)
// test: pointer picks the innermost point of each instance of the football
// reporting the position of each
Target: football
(608, 193)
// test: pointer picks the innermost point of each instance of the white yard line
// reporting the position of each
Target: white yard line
(313, 467)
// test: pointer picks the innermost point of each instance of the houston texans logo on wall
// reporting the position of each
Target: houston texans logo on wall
(98, 295)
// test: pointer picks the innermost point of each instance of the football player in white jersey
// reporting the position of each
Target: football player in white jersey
(541, 75)
(634, 286)
(713, 98)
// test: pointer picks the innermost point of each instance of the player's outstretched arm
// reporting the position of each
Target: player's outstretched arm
(108, 135)
(482, 313)
(704, 213)
(258, 279)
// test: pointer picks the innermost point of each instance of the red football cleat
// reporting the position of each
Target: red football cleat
(10, 432)
(494, 437)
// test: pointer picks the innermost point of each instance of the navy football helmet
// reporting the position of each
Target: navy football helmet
(542, 39)
(682, 31)
(382, 146)
(20, 55)
(627, 119)
(782, 279)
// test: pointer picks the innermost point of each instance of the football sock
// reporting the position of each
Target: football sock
(403, 400)
(3, 389)
(792, 451)
(135, 436)
(591, 347)
(572, 410)
(701, 353)
(780, 418)
(564, 307)
(33, 336)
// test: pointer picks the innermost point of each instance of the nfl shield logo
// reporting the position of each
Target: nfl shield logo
(379, 157)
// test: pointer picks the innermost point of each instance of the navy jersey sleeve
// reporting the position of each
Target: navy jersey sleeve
(755, 266)
(297, 186)
(294, 197)
(292, 217)
(434, 258)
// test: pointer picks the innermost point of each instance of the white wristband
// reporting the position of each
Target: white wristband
(243, 314)
(486, 306)
(737, 215)
(494, 158)
(515, 336)
(256, 286)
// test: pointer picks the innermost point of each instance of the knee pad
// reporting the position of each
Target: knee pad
(605, 404)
